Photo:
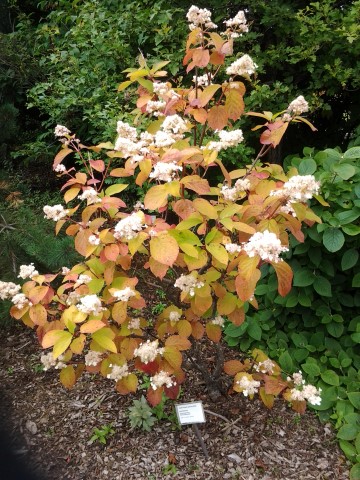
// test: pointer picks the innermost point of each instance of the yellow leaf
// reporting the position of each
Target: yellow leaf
(234, 104)
(178, 341)
(68, 377)
(104, 338)
(219, 252)
(71, 194)
(213, 332)
(72, 314)
(164, 249)
(62, 342)
(77, 345)
(173, 357)
(92, 326)
(206, 95)
(218, 117)
(61, 155)
(226, 304)
(205, 208)
(38, 314)
(36, 294)
(117, 188)
(156, 197)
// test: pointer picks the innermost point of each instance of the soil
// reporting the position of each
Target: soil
(49, 428)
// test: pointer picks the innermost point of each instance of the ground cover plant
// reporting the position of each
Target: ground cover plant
(220, 238)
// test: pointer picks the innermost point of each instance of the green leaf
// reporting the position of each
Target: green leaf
(286, 362)
(348, 449)
(307, 167)
(353, 152)
(355, 337)
(254, 329)
(333, 239)
(344, 170)
(355, 472)
(117, 188)
(348, 216)
(356, 280)
(303, 278)
(322, 286)
(349, 259)
(347, 432)
(331, 378)
(311, 369)
(335, 329)
(351, 229)
(354, 398)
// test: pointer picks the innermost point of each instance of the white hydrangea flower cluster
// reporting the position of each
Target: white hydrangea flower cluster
(250, 387)
(298, 188)
(128, 143)
(72, 298)
(304, 391)
(94, 240)
(161, 378)
(56, 212)
(93, 358)
(27, 271)
(165, 171)
(8, 290)
(147, 352)
(65, 271)
(60, 168)
(82, 280)
(232, 193)
(90, 195)
(61, 131)
(236, 26)
(125, 294)
(129, 227)
(227, 140)
(298, 106)
(118, 372)
(174, 124)
(90, 304)
(188, 283)
(267, 366)
(199, 17)
(232, 248)
(218, 320)
(20, 301)
(174, 316)
(156, 107)
(203, 80)
(134, 324)
(49, 361)
(161, 88)
(265, 244)
(243, 66)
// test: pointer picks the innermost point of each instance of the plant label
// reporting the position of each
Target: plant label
(190, 413)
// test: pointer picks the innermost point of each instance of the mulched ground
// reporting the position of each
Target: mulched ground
(50, 428)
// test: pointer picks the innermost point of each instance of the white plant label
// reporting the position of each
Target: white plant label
(190, 413)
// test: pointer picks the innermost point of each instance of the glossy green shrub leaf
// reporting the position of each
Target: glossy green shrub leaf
(303, 278)
(311, 369)
(335, 329)
(322, 286)
(286, 362)
(354, 398)
(356, 280)
(352, 153)
(344, 170)
(330, 377)
(307, 167)
(348, 449)
(333, 239)
(348, 432)
(254, 329)
(355, 472)
(348, 216)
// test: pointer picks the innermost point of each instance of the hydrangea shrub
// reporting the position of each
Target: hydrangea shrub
(222, 235)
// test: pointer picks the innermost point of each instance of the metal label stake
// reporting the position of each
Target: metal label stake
(192, 414)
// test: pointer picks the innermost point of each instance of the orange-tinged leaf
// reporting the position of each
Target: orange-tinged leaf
(77, 345)
(82, 242)
(157, 268)
(183, 208)
(104, 338)
(274, 133)
(232, 367)
(164, 248)
(127, 384)
(201, 57)
(173, 357)
(154, 397)
(274, 385)
(18, 312)
(180, 342)
(36, 294)
(206, 95)
(92, 326)
(61, 155)
(200, 305)
(284, 275)
(234, 104)
(267, 399)
(156, 197)
(51, 337)
(71, 194)
(237, 317)
(298, 407)
(38, 314)
(97, 165)
(68, 377)
(199, 114)
(245, 287)
(213, 332)
(196, 183)
(217, 58)
(218, 117)
(111, 252)
(197, 330)
(172, 392)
